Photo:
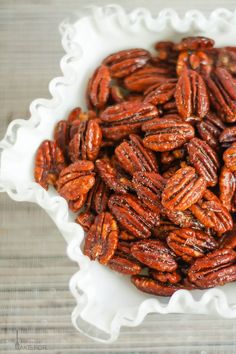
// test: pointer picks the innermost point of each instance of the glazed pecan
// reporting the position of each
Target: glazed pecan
(125, 62)
(189, 243)
(165, 52)
(211, 213)
(204, 159)
(62, 136)
(87, 142)
(197, 61)
(162, 231)
(148, 186)
(182, 218)
(142, 79)
(216, 268)
(77, 204)
(98, 197)
(154, 287)
(85, 219)
(123, 262)
(160, 93)
(166, 133)
(116, 94)
(154, 254)
(194, 43)
(229, 239)
(167, 157)
(191, 95)
(77, 115)
(165, 277)
(76, 180)
(126, 118)
(111, 176)
(183, 189)
(98, 88)
(222, 93)
(229, 157)
(210, 130)
(49, 161)
(101, 240)
(132, 215)
(133, 156)
(170, 107)
(227, 58)
(227, 184)
(228, 136)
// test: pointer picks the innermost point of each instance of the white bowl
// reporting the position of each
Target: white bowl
(105, 300)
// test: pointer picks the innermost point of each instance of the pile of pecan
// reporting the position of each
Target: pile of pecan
(150, 167)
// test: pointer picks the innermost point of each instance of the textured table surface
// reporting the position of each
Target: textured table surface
(35, 303)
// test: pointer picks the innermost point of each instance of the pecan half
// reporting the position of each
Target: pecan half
(148, 186)
(49, 161)
(98, 88)
(87, 142)
(98, 197)
(222, 93)
(133, 156)
(76, 180)
(160, 93)
(165, 277)
(191, 95)
(183, 189)
(228, 136)
(227, 184)
(125, 62)
(154, 287)
(229, 239)
(197, 60)
(85, 219)
(195, 43)
(229, 157)
(183, 218)
(216, 268)
(126, 118)
(101, 240)
(123, 262)
(154, 254)
(189, 243)
(211, 213)
(162, 231)
(166, 133)
(132, 215)
(204, 159)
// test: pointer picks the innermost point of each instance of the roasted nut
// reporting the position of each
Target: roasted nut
(216, 268)
(182, 218)
(197, 60)
(154, 287)
(98, 197)
(183, 189)
(194, 43)
(189, 243)
(165, 277)
(227, 184)
(133, 156)
(85, 219)
(228, 136)
(204, 159)
(132, 215)
(49, 161)
(160, 93)
(191, 95)
(123, 262)
(166, 133)
(229, 157)
(98, 88)
(101, 240)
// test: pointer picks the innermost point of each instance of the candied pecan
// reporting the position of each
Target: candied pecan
(170, 107)
(116, 94)
(133, 156)
(166, 133)
(76, 179)
(229, 239)
(123, 262)
(165, 277)
(77, 204)
(125, 236)
(85, 219)
(229, 157)
(227, 184)
(132, 215)
(154, 254)
(62, 135)
(197, 60)
(142, 79)
(101, 240)
(171, 169)
(148, 186)
(204, 160)
(191, 95)
(216, 268)
(49, 161)
(125, 62)
(210, 130)
(160, 93)
(125, 118)
(112, 177)
(195, 43)
(162, 231)
(228, 136)
(98, 88)
(189, 243)
(183, 189)
(182, 218)
(168, 157)
(77, 115)
(98, 197)
(166, 52)
(87, 142)
(222, 93)
(227, 58)
(211, 213)
(155, 287)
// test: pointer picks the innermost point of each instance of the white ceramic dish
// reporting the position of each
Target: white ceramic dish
(105, 300)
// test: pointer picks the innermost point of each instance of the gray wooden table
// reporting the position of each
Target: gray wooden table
(35, 303)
